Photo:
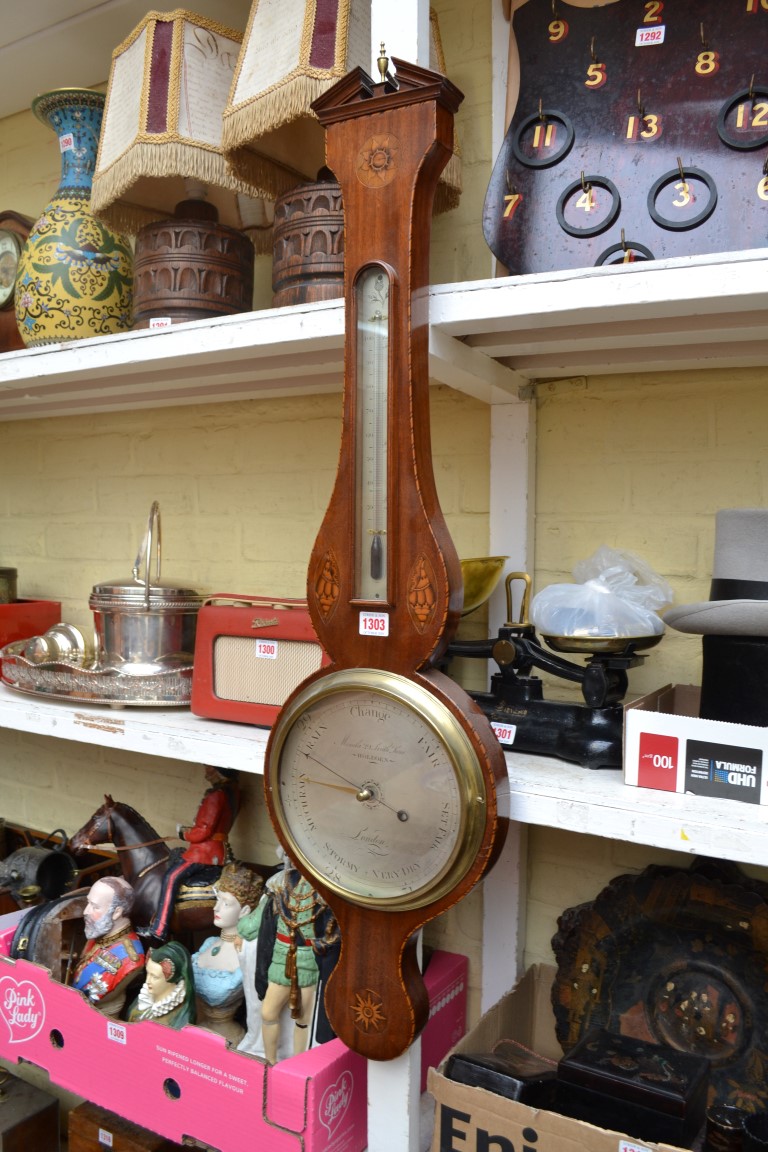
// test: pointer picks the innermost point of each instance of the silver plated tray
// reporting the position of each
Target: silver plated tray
(92, 684)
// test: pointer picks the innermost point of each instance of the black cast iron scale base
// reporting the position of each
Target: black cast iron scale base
(589, 734)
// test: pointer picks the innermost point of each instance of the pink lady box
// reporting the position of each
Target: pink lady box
(8, 924)
(188, 1083)
(668, 747)
(446, 977)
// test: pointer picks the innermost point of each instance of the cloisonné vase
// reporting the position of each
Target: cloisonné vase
(75, 276)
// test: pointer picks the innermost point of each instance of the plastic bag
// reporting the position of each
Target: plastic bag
(616, 594)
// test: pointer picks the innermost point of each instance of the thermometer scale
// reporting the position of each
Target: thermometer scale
(372, 306)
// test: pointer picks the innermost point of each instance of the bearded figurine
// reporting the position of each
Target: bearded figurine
(113, 953)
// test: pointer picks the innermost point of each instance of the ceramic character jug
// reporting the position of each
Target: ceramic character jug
(75, 276)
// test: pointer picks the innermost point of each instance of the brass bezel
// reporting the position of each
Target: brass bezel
(436, 716)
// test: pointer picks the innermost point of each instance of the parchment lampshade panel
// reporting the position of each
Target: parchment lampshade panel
(292, 52)
(161, 172)
(168, 85)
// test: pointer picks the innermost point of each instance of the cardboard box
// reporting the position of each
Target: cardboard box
(446, 978)
(188, 1083)
(471, 1119)
(668, 747)
(8, 924)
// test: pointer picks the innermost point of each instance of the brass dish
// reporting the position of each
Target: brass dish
(613, 645)
(481, 575)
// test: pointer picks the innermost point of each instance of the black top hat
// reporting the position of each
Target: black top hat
(738, 597)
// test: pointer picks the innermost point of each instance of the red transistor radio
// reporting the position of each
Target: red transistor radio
(250, 654)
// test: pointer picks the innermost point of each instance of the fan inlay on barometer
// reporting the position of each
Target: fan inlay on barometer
(381, 772)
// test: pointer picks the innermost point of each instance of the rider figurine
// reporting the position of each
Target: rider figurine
(113, 951)
(207, 846)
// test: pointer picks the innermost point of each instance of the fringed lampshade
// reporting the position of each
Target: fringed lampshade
(292, 52)
(448, 191)
(161, 164)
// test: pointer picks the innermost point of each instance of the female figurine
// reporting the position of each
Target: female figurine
(217, 966)
(168, 994)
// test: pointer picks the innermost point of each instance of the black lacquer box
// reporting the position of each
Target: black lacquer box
(649, 1091)
(530, 1084)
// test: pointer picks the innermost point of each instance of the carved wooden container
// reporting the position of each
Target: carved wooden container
(189, 270)
(308, 244)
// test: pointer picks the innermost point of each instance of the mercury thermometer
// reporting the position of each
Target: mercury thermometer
(372, 300)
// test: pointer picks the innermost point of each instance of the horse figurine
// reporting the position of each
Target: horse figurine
(143, 857)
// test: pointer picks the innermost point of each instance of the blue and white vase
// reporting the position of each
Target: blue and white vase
(75, 276)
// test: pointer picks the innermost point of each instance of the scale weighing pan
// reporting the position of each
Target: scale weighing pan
(612, 645)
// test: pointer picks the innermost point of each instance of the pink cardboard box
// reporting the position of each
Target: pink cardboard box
(8, 924)
(667, 746)
(189, 1083)
(446, 978)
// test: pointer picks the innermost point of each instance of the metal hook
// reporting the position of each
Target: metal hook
(682, 172)
(765, 166)
(554, 10)
(584, 186)
(511, 189)
(541, 109)
(640, 107)
(703, 37)
(592, 50)
(623, 241)
(751, 92)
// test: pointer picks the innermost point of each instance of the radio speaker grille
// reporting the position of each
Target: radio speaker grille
(240, 675)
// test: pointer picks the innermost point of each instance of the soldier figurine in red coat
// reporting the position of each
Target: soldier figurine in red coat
(113, 952)
(207, 845)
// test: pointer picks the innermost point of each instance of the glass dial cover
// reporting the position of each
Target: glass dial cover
(377, 788)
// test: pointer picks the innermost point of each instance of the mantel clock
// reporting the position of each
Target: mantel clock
(381, 772)
(14, 230)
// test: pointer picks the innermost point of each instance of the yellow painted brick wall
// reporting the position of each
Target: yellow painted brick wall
(242, 488)
(643, 463)
(639, 463)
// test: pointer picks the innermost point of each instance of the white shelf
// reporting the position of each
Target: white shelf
(542, 790)
(159, 732)
(555, 794)
(488, 338)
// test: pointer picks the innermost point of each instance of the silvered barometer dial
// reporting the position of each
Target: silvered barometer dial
(377, 786)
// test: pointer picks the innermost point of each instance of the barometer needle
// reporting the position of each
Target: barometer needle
(364, 793)
(327, 784)
(356, 787)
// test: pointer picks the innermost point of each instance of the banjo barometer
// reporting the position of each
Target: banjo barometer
(381, 772)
